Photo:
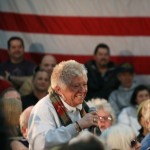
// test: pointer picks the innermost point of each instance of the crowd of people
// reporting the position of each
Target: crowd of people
(71, 106)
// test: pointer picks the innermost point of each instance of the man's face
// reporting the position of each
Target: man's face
(16, 50)
(41, 81)
(75, 93)
(126, 79)
(47, 64)
(102, 57)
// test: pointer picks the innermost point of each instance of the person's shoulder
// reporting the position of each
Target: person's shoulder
(114, 92)
(44, 103)
(90, 64)
(112, 66)
(145, 142)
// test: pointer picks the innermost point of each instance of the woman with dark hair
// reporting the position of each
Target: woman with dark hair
(128, 115)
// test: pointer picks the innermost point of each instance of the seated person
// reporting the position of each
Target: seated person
(12, 108)
(41, 84)
(16, 69)
(145, 144)
(128, 115)
(143, 130)
(48, 62)
(105, 112)
(120, 97)
(102, 78)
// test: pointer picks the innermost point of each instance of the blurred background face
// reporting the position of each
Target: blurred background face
(105, 119)
(48, 63)
(126, 79)
(142, 96)
(41, 81)
(16, 50)
(102, 57)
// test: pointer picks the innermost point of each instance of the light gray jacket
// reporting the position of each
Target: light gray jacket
(45, 129)
(120, 98)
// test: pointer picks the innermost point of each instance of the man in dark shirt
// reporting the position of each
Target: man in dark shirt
(41, 82)
(102, 77)
(16, 69)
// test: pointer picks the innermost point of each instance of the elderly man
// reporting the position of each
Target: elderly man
(60, 116)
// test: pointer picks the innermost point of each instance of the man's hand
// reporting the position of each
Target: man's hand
(90, 119)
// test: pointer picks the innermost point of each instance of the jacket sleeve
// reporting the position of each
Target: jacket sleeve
(113, 101)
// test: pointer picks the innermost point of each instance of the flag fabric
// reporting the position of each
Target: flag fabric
(71, 29)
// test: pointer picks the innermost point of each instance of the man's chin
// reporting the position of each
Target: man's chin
(80, 101)
(104, 64)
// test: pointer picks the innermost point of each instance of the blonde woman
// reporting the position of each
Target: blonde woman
(143, 131)
(11, 109)
(145, 145)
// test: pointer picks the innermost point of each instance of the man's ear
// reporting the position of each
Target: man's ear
(58, 90)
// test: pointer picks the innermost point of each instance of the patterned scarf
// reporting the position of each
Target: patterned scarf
(61, 110)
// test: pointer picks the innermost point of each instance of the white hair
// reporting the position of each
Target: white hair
(65, 71)
(119, 136)
(104, 105)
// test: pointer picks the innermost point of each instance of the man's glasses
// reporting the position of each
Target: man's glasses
(133, 143)
(105, 118)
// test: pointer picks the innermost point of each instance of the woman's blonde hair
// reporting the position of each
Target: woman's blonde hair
(139, 110)
(145, 111)
(11, 109)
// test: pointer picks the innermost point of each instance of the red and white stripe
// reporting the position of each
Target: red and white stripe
(71, 29)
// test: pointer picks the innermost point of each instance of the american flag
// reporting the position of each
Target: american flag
(71, 29)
